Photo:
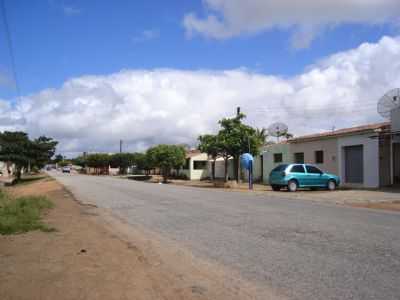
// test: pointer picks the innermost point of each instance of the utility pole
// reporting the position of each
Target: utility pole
(238, 111)
(120, 157)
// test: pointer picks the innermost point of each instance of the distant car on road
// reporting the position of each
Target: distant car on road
(66, 169)
(295, 176)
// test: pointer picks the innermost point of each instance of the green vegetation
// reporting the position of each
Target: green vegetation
(166, 157)
(233, 139)
(22, 214)
(16, 148)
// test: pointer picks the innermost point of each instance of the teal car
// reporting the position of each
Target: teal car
(295, 176)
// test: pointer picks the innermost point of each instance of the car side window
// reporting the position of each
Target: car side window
(313, 170)
(297, 169)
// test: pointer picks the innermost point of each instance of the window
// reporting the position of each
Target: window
(319, 157)
(278, 157)
(297, 169)
(199, 164)
(299, 158)
(313, 170)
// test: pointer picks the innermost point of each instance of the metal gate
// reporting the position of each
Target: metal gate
(354, 164)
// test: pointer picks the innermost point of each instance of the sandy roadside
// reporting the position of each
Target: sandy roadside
(92, 255)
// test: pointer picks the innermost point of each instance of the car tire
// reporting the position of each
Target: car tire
(331, 185)
(276, 188)
(292, 186)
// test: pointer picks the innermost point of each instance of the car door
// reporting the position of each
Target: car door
(298, 172)
(314, 176)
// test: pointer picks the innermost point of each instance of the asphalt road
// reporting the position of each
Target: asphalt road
(303, 249)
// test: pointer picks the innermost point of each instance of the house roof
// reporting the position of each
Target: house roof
(370, 128)
(192, 153)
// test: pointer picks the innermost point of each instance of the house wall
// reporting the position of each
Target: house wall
(385, 178)
(370, 158)
(198, 174)
(268, 158)
(328, 146)
(395, 120)
(220, 168)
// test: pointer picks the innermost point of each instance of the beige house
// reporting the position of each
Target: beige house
(361, 155)
(196, 167)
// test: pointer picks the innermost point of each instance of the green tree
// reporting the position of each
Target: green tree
(122, 161)
(208, 143)
(99, 161)
(237, 138)
(18, 149)
(166, 157)
(14, 148)
(58, 158)
(41, 151)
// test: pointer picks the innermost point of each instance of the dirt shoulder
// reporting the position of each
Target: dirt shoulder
(95, 256)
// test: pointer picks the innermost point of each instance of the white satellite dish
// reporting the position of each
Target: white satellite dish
(389, 102)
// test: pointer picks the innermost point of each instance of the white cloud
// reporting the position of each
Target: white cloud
(146, 35)
(144, 107)
(229, 18)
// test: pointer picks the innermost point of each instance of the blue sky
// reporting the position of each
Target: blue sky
(93, 72)
(57, 40)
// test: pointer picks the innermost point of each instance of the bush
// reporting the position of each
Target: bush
(22, 214)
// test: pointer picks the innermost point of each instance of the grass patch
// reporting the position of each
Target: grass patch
(22, 214)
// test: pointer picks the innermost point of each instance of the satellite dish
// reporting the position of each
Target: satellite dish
(389, 102)
(277, 129)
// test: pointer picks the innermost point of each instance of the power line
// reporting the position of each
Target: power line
(10, 47)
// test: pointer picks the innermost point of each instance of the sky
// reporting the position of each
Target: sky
(90, 73)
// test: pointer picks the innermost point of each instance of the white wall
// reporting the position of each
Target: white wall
(371, 158)
(198, 174)
(268, 161)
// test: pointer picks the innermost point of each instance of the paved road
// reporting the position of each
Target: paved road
(303, 249)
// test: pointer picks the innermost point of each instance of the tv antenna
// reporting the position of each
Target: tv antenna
(389, 102)
(277, 129)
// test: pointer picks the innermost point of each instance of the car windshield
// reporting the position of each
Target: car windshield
(280, 168)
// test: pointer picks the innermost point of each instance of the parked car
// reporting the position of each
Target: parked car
(66, 169)
(295, 176)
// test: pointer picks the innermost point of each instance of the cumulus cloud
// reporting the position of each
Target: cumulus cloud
(145, 107)
(228, 18)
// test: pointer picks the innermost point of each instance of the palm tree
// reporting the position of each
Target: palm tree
(262, 135)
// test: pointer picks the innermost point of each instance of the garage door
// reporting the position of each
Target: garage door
(354, 164)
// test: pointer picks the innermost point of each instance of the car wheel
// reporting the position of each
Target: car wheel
(292, 186)
(276, 188)
(331, 185)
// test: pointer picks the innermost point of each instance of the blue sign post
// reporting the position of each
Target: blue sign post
(247, 162)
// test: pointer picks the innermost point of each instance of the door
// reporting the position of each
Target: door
(314, 176)
(299, 173)
(396, 163)
(354, 164)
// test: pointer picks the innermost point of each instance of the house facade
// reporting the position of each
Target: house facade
(363, 156)
(196, 166)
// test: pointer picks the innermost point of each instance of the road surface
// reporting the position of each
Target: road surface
(303, 249)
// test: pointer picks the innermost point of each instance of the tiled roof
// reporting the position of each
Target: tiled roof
(341, 132)
(192, 153)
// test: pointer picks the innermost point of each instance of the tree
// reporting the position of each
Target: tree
(41, 151)
(99, 161)
(237, 138)
(262, 134)
(58, 158)
(208, 143)
(18, 149)
(166, 157)
(14, 149)
(122, 161)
